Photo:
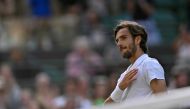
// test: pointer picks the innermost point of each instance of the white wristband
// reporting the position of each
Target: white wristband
(116, 94)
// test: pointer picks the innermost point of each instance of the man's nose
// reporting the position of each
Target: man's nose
(119, 43)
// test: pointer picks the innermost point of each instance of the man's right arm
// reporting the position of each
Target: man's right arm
(108, 100)
(116, 95)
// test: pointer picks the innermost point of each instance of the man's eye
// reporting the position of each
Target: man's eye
(123, 38)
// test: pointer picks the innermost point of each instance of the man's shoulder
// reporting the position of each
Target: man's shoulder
(150, 61)
(152, 64)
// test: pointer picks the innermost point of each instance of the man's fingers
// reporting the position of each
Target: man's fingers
(129, 77)
(131, 73)
(134, 77)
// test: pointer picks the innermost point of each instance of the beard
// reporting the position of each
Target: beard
(130, 53)
(127, 55)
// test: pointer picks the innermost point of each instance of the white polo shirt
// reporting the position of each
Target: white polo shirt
(148, 69)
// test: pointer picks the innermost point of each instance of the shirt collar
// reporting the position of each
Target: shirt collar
(139, 61)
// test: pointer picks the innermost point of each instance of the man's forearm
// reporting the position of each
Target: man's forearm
(108, 100)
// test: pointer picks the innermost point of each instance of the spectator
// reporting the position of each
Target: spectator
(100, 91)
(182, 45)
(142, 13)
(22, 65)
(99, 6)
(71, 103)
(114, 6)
(69, 98)
(66, 26)
(83, 92)
(83, 60)
(92, 27)
(4, 39)
(43, 94)
(28, 101)
(7, 8)
(40, 8)
(13, 92)
(44, 35)
(75, 96)
(180, 76)
(3, 102)
(16, 33)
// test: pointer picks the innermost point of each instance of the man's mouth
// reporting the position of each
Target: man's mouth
(122, 48)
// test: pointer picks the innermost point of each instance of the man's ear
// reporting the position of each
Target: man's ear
(138, 40)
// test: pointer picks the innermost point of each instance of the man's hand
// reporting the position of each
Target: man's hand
(128, 79)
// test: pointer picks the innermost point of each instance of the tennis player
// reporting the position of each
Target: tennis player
(145, 76)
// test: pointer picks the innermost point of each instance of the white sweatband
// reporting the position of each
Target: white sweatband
(117, 94)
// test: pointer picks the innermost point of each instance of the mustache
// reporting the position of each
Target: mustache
(122, 47)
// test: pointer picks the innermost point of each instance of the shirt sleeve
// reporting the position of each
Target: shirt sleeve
(153, 70)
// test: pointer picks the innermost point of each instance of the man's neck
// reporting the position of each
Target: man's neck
(136, 56)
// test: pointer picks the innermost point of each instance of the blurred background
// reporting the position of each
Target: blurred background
(61, 54)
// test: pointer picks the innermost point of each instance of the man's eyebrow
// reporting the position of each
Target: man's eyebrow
(125, 35)
(116, 39)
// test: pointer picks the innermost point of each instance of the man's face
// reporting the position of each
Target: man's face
(126, 43)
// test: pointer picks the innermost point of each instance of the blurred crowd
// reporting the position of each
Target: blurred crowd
(75, 93)
(61, 54)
